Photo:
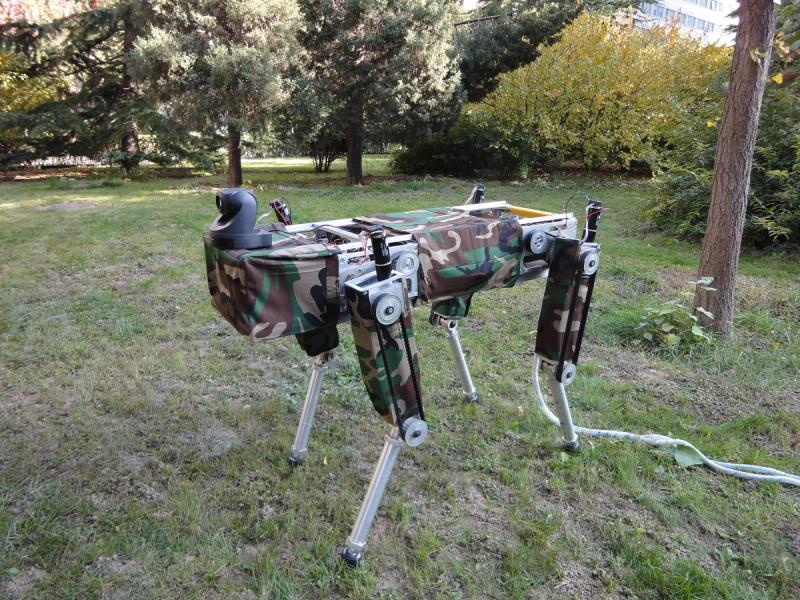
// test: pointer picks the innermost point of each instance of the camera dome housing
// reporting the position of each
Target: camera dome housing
(235, 228)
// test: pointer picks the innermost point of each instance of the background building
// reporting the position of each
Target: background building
(709, 19)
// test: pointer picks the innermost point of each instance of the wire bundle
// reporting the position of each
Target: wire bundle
(752, 472)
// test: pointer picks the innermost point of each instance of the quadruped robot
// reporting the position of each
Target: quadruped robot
(281, 279)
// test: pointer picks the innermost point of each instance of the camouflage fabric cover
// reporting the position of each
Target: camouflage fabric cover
(413, 220)
(562, 284)
(290, 288)
(452, 308)
(374, 372)
(460, 253)
(466, 256)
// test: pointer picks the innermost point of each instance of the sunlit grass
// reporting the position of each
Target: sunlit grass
(143, 442)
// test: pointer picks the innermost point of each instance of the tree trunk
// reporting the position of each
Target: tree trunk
(355, 138)
(234, 156)
(737, 137)
(129, 143)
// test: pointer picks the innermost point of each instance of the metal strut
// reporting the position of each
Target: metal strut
(451, 325)
(357, 540)
(300, 445)
(470, 393)
(568, 435)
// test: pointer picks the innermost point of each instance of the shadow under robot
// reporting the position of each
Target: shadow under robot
(284, 279)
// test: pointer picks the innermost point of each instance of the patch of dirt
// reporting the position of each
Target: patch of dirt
(794, 538)
(69, 206)
(114, 565)
(124, 578)
(217, 441)
(577, 581)
(21, 583)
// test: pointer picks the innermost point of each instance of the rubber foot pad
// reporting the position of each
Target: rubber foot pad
(352, 560)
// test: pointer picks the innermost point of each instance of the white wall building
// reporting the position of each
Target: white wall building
(709, 19)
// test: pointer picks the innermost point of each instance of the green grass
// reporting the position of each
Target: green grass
(143, 442)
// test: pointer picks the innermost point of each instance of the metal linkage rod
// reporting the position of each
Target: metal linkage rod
(300, 446)
(470, 394)
(564, 415)
(357, 540)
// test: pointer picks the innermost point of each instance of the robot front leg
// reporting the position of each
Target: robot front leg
(415, 431)
(380, 313)
(300, 445)
(357, 540)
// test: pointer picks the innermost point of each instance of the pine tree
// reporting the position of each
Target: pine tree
(389, 64)
(97, 104)
(220, 64)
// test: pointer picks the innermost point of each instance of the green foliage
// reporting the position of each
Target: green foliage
(21, 92)
(512, 40)
(65, 89)
(605, 93)
(773, 212)
(469, 148)
(312, 123)
(673, 325)
(389, 65)
(789, 23)
(590, 97)
(18, 90)
(218, 63)
(84, 52)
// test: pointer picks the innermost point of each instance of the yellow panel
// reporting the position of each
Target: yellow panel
(528, 212)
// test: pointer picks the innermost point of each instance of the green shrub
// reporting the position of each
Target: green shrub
(468, 149)
(606, 93)
(773, 214)
(673, 325)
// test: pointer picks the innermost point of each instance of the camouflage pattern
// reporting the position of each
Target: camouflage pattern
(290, 288)
(412, 221)
(562, 284)
(461, 257)
(320, 340)
(452, 308)
(373, 370)
(460, 253)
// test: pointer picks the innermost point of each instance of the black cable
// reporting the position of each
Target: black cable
(410, 359)
(570, 317)
(398, 417)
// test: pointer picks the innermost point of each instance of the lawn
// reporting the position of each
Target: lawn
(143, 442)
